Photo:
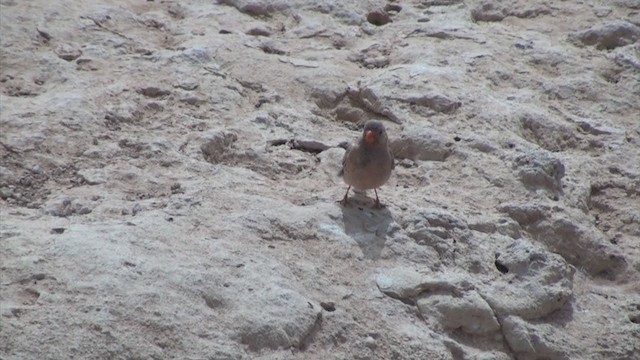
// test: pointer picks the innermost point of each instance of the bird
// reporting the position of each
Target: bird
(367, 164)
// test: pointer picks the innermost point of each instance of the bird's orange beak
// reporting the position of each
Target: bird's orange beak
(369, 137)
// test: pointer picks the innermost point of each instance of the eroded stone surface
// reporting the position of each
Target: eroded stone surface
(168, 180)
(534, 282)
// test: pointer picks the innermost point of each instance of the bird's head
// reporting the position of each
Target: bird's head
(374, 133)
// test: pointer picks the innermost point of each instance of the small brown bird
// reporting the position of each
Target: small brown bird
(367, 164)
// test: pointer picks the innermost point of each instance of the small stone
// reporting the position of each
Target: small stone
(44, 34)
(57, 230)
(136, 209)
(193, 100)
(84, 64)
(153, 92)
(6, 176)
(65, 206)
(370, 342)
(488, 10)
(378, 17)
(440, 2)
(154, 106)
(188, 85)
(329, 306)
(602, 12)
(392, 8)
(93, 176)
(215, 145)
(260, 31)
(177, 11)
(311, 146)
(68, 52)
(93, 153)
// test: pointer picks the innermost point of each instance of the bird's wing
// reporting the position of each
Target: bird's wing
(393, 160)
(349, 148)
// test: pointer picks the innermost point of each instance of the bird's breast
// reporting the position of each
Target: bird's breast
(368, 170)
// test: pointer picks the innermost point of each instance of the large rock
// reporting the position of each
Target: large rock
(534, 282)
(271, 317)
(468, 312)
(540, 170)
(407, 284)
(571, 235)
(382, 94)
(419, 142)
(257, 7)
(608, 36)
(448, 300)
(531, 341)
(551, 135)
(497, 10)
(65, 206)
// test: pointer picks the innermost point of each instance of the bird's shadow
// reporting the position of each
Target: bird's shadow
(367, 226)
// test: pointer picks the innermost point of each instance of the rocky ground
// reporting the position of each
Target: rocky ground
(168, 180)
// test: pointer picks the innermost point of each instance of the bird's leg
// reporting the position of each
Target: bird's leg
(377, 204)
(345, 199)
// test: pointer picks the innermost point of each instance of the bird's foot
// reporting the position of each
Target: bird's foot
(378, 205)
(344, 201)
